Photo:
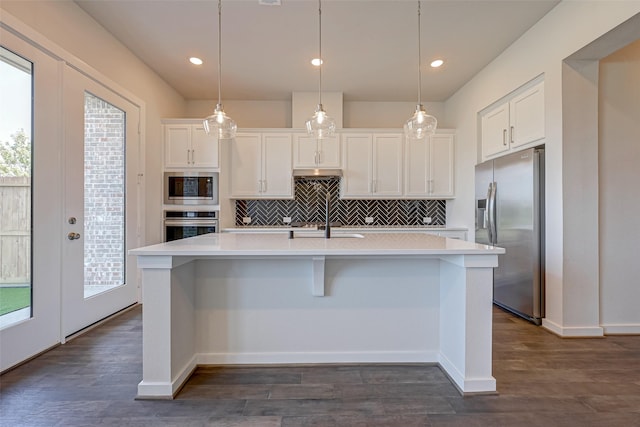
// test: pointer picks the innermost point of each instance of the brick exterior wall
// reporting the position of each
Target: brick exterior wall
(104, 192)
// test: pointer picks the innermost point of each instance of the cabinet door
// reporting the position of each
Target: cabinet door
(204, 148)
(246, 166)
(358, 162)
(495, 130)
(441, 166)
(387, 165)
(308, 152)
(527, 116)
(329, 152)
(177, 146)
(416, 168)
(277, 180)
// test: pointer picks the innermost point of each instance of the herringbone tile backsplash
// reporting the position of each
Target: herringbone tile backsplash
(309, 206)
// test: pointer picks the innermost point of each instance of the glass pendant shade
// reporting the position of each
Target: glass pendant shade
(321, 125)
(420, 124)
(221, 124)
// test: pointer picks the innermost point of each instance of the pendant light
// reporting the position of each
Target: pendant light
(320, 125)
(420, 124)
(219, 123)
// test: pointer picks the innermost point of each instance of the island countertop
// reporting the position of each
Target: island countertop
(313, 243)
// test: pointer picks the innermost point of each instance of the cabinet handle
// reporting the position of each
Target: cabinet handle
(504, 137)
(259, 186)
(193, 157)
(374, 186)
(315, 157)
(512, 132)
(319, 157)
(264, 185)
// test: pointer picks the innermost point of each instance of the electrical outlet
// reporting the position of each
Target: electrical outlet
(246, 220)
(286, 219)
(369, 220)
(426, 220)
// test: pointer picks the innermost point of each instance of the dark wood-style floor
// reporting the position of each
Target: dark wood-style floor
(542, 380)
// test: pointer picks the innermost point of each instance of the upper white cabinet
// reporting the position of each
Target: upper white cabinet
(189, 146)
(514, 123)
(429, 167)
(372, 165)
(261, 166)
(309, 152)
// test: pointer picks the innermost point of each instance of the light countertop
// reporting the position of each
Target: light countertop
(278, 244)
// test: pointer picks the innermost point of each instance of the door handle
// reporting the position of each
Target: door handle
(487, 213)
(73, 236)
(492, 213)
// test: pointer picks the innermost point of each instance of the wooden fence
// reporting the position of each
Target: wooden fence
(15, 230)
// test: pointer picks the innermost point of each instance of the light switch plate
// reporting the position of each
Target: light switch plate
(426, 220)
(246, 220)
(286, 219)
(369, 220)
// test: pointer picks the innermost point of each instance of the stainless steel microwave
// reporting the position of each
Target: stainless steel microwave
(191, 188)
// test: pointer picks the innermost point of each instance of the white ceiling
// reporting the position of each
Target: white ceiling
(369, 47)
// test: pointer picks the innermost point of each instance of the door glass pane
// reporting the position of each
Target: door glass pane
(104, 196)
(16, 75)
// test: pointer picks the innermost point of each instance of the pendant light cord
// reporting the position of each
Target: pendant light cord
(419, 58)
(219, 52)
(320, 52)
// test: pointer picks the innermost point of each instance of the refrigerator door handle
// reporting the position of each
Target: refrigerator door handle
(487, 213)
(493, 229)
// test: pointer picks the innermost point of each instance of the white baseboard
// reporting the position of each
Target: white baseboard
(573, 331)
(319, 357)
(621, 329)
(166, 390)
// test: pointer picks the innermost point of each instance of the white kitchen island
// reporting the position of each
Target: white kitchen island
(266, 299)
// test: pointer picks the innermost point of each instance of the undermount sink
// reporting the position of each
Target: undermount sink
(333, 236)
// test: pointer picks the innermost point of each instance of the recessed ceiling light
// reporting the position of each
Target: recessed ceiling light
(316, 61)
(195, 61)
(437, 63)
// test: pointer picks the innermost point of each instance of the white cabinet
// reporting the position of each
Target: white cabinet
(372, 165)
(261, 166)
(429, 167)
(516, 122)
(189, 146)
(309, 152)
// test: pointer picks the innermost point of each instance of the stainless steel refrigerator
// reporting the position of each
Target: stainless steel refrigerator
(510, 214)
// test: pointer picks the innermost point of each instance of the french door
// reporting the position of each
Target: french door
(101, 152)
(66, 226)
(30, 248)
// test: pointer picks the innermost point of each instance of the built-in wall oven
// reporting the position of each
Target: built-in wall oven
(181, 224)
(191, 188)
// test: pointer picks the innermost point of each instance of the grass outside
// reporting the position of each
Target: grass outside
(14, 298)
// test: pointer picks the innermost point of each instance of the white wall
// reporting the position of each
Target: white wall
(619, 157)
(566, 29)
(68, 26)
